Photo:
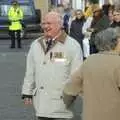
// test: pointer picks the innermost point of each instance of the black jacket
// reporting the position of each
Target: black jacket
(76, 30)
(115, 24)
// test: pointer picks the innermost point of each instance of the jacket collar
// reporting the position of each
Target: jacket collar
(61, 37)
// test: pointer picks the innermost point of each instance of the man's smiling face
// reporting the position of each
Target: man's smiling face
(51, 25)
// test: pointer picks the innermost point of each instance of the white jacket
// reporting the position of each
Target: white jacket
(45, 78)
(87, 34)
(87, 25)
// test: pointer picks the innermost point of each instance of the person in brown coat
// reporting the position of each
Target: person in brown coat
(99, 23)
(98, 79)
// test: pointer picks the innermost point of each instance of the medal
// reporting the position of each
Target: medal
(44, 62)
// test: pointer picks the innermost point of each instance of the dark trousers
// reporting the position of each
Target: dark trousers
(45, 118)
(93, 49)
(15, 35)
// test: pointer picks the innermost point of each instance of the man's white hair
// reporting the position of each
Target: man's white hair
(57, 16)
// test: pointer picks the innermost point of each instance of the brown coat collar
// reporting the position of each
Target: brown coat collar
(62, 37)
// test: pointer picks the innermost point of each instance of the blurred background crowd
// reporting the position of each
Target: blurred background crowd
(83, 22)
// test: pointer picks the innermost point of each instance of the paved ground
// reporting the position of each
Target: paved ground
(12, 68)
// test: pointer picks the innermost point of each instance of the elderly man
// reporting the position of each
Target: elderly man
(50, 62)
(99, 79)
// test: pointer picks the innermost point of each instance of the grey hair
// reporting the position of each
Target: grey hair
(57, 16)
(60, 18)
(107, 39)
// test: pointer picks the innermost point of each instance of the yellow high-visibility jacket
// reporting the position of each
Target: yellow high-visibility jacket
(15, 16)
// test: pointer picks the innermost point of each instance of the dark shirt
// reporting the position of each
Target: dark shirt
(76, 30)
(65, 22)
(99, 25)
(115, 24)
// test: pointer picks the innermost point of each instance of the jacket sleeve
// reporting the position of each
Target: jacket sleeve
(117, 77)
(77, 58)
(87, 25)
(73, 88)
(29, 79)
(21, 14)
(70, 91)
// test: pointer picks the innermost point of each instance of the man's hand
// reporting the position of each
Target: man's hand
(27, 101)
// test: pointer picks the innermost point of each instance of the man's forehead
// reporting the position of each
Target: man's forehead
(52, 15)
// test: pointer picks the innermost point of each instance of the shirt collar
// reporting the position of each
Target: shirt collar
(60, 37)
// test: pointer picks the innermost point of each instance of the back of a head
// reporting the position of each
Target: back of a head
(106, 40)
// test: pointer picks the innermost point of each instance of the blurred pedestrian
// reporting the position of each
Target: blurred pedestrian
(76, 27)
(51, 61)
(71, 18)
(116, 16)
(100, 22)
(98, 79)
(86, 31)
(15, 16)
(66, 20)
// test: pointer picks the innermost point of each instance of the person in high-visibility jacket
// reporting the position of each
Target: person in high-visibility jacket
(15, 16)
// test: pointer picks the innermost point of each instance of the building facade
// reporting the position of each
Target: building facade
(44, 5)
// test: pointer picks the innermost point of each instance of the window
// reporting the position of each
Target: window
(4, 10)
(26, 8)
